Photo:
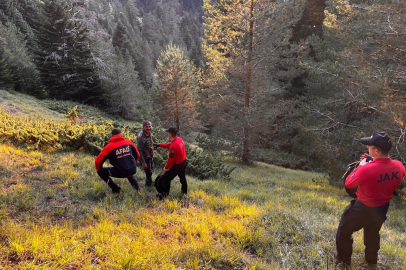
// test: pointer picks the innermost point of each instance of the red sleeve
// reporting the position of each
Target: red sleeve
(171, 158)
(356, 178)
(165, 145)
(136, 150)
(98, 162)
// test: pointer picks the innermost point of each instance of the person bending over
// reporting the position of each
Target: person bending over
(123, 155)
(176, 164)
(376, 182)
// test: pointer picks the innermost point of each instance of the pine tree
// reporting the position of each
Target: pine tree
(177, 83)
(120, 38)
(20, 64)
(64, 57)
(6, 79)
(243, 39)
(126, 96)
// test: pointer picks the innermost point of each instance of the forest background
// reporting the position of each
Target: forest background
(294, 83)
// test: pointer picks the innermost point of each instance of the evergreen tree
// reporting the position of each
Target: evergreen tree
(243, 39)
(126, 96)
(6, 79)
(20, 64)
(177, 83)
(120, 38)
(64, 56)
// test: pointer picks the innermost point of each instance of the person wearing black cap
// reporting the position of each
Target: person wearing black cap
(123, 155)
(177, 163)
(376, 182)
(145, 146)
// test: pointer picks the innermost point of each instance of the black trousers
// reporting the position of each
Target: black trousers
(355, 217)
(148, 171)
(107, 172)
(176, 170)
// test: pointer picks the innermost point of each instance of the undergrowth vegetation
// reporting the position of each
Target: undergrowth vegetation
(56, 213)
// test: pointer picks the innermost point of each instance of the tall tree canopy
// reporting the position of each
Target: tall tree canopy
(177, 84)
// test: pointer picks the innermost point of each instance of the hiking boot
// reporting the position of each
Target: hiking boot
(113, 186)
(134, 183)
(117, 190)
(373, 266)
(148, 183)
(162, 196)
(340, 264)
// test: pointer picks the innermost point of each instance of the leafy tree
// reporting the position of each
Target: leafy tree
(177, 83)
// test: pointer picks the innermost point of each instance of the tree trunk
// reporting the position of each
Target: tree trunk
(246, 149)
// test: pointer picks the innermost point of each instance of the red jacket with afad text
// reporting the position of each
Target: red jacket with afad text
(177, 152)
(376, 181)
(121, 153)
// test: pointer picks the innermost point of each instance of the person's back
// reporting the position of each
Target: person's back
(123, 155)
(119, 151)
(376, 180)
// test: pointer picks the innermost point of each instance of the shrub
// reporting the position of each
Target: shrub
(203, 163)
(53, 135)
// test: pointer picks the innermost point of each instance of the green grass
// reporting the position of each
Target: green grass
(56, 214)
(24, 105)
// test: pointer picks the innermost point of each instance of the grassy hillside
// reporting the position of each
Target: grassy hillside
(55, 213)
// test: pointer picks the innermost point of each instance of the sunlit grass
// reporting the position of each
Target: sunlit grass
(55, 213)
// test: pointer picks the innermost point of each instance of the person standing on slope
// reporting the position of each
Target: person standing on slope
(376, 182)
(146, 149)
(123, 155)
(177, 163)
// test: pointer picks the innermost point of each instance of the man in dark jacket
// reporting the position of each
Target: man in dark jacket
(145, 146)
(376, 182)
(176, 164)
(123, 155)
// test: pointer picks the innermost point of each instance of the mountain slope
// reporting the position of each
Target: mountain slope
(56, 213)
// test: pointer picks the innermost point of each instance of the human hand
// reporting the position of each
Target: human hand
(363, 162)
(156, 145)
(363, 156)
(145, 166)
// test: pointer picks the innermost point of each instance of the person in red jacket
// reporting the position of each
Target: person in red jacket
(376, 182)
(177, 163)
(123, 155)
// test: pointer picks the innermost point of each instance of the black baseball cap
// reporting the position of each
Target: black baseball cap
(116, 131)
(146, 123)
(380, 140)
(173, 130)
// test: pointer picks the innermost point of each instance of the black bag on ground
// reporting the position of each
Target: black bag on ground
(160, 183)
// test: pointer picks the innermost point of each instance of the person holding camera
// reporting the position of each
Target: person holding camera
(376, 182)
(123, 155)
(145, 146)
(176, 164)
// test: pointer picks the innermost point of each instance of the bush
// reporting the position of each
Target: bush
(51, 135)
(203, 163)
